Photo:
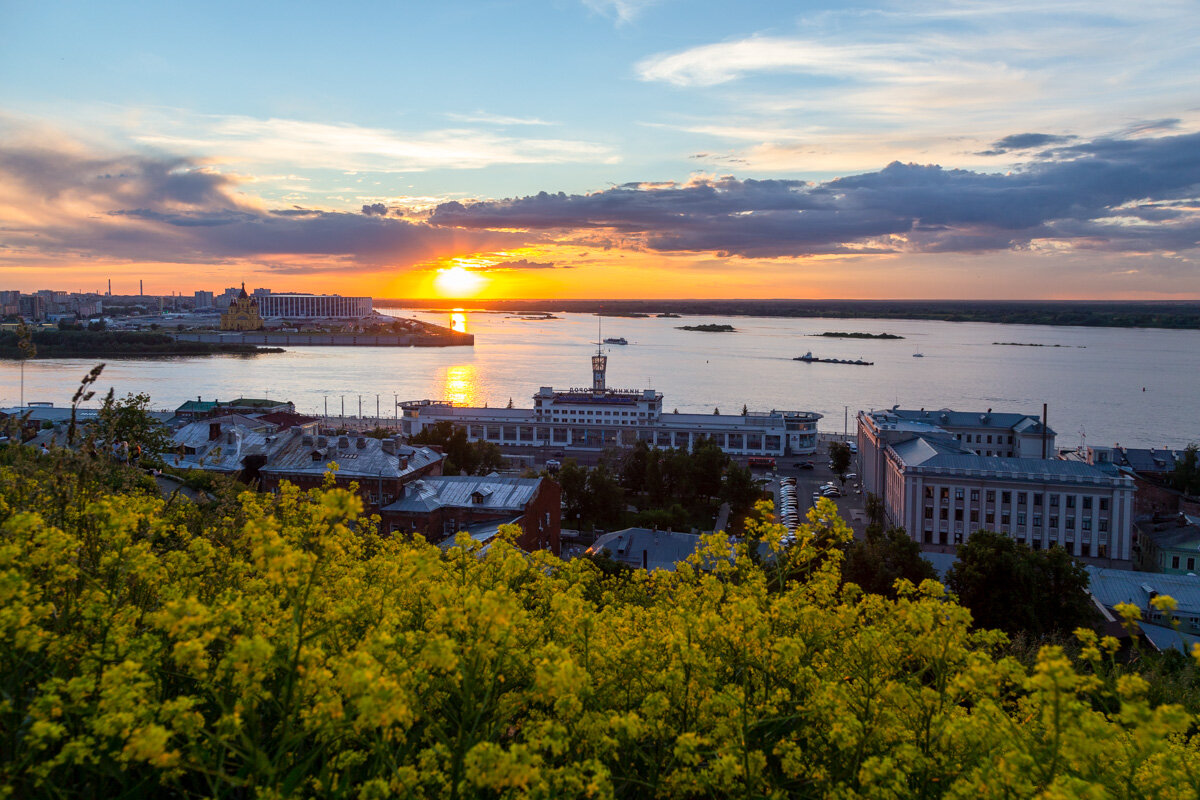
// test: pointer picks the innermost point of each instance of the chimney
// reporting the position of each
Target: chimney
(360, 442)
(389, 446)
(403, 462)
(322, 441)
(343, 442)
(214, 431)
(306, 440)
(230, 437)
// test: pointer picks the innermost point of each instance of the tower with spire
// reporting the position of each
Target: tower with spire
(599, 361)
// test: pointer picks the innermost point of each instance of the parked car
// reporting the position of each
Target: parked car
(851, 476)
(804, 465)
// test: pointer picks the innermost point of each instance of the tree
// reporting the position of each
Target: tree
(129, 420)
(573, 480)
(1185, 477)
(605, 504)
(745, 410)
(708, 464)
(633, 467)
(1013, 588)
(510, 403)
(839, 457)
(739, 490)
(462, 455)
(716, 412)
(882, 558)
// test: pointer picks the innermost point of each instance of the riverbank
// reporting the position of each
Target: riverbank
(120, 344)
(307, 339)
(1169, 314)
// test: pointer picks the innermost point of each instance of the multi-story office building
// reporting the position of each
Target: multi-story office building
(204, 300)
(311, 306)
(940, 490)
(600, 417)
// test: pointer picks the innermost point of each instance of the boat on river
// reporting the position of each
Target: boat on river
(616, 340)
(809, 358)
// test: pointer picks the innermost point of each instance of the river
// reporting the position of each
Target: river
(1137, 387)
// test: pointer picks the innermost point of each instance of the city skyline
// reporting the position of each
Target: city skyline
(605, 148)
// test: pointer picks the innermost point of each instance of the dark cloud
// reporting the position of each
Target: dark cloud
(525, 263)
(1151, 126)
(177, 210)
(903, 206)
(1023, 141)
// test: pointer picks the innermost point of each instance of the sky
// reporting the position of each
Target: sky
(604, 148)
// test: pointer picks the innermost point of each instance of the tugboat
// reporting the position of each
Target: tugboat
(918, 355)
(616, 340)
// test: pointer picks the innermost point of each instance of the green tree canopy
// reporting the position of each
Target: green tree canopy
(1013, 588)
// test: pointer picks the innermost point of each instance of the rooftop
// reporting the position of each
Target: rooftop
(356, 456)
(481, 492)
(662, 549)
(946, 417)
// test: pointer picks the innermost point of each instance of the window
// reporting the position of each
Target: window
(1053, 520)
(989, 441)
(1021, 498)
(929, 492)
(1102, 551)
(1174, 562)
(1086, 524)
(1191, 563)
(945, 513)
(1037, 520)
(1020, 517)
(1006, 497)
(991, 495)
(991, 518)
(1087, 503)
(975, 495)
(1104, 526)
(958, 494)
(1070, 501)
(1070, 523)
(928, 512)
(1054, 501)
(974, 516)
(945, 494)
(1004, 518)
(958, 515)
(1104, 504)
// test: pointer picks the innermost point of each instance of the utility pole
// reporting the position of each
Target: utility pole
(396, 405)
(360, 406)
(377, 408)
(845, 421)
(343, 405)
(326, 406)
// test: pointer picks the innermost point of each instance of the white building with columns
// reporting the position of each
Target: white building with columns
(940, 489)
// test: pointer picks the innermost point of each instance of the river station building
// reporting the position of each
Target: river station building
(598, 418)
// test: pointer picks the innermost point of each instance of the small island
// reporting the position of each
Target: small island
(708, 328)
(856, 335)
(1035, 344)
(667, 315)
(119, 344)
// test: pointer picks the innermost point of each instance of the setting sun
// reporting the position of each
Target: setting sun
(458, 282)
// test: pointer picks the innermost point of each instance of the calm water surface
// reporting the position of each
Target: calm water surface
(1094, 384)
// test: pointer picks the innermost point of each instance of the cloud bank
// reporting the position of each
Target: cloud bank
(1112, 194)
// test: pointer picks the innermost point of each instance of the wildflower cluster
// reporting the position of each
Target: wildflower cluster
(288, 650)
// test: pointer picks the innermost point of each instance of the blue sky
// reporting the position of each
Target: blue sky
(411, 105)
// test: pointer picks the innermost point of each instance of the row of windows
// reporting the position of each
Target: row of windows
(1006, 517)
(1006, 497)
(1191, 563)
(979, 438)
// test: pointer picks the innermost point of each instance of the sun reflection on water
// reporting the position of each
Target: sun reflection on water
(458, 321)
(461, 386)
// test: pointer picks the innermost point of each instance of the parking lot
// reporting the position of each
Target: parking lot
(851, 506)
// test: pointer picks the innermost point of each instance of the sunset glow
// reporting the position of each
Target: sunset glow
(458, 282)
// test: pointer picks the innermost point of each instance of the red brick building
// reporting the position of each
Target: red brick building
(439, 507)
